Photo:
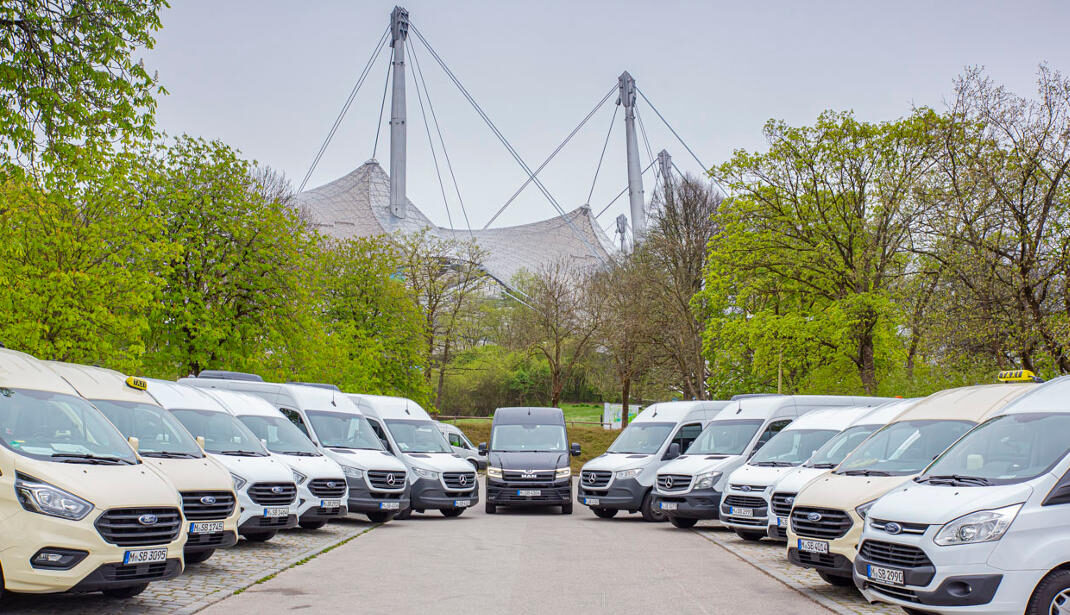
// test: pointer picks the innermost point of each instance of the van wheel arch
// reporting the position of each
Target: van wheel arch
(1052, 585)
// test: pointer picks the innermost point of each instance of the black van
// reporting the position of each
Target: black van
(528, 459)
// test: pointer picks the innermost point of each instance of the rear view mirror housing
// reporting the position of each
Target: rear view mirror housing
(575, 449)
(482, 448)
(673, 452)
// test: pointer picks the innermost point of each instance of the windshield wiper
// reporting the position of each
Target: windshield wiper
(169, 455)
(955, 479)
(299, 453)
(774, 464)
(240, 453)
(87, 458)
(823, 466)
(865, 473)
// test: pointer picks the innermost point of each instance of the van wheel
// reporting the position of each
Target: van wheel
(750, 536)
(405, 514)
(491, 508)
(125, 592)
(260, 536)
(566, 509)
(682, 522)
(1052, 594)
(379, 516)
(605, 513)
(835, 579)
(197, 556)
(451, 512)
(650, 513)
(313, 525)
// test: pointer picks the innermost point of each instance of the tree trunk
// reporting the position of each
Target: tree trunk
(625, 391)
(555, 386)
(868, 368)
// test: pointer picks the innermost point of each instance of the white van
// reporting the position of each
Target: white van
(321, 485)
(823, 460)
(377, 482)
(745, 506)
(207, 491)
(623, 477)
(439, 478)
(690, 488)
(81, 511)
(461, 445)
(984, 529)
(267, 494)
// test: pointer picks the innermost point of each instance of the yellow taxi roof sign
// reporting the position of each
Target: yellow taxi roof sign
(137, 383)
(1018, 375)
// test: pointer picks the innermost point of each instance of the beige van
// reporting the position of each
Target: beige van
(82, 512)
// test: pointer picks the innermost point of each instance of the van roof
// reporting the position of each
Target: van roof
(762, 407)
(99, 383)
(525, 415)
(243, 404)
(1052, 396)
(176, 396)
(19, 370)
(886, 413)
(837, 419)
(973, 403)
(388, 407)
(299, 396)
(676, 411)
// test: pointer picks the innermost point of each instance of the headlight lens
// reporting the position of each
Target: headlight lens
(45, 499)
(981, 526)
(563, 472)
(422, 473)
(864, 508)
(707, 480)
(299, 478)
(494, 472)
(352, 472)
(239, 482)
(623, 474)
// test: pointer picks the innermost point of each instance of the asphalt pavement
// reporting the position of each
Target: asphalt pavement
(524, 561)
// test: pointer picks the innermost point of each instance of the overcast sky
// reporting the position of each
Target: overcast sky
(269, 77)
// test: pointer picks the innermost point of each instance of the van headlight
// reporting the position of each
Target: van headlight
(981, 526)
(299, 478)
(352, 472)
(623, 474)
(707, 480)
(239, 482)
(42, 498)
(864, 508)
(563, 472)
(422, 473)
(494, 472)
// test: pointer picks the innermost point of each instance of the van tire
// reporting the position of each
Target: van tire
(750, 536)
(649, 513)
(566, 509)
(123, 593)
(379, 516)
(451, 512)
(197, 556)
(835, 579)
(604, 513)
(405, 514)
(260, 536)
(312, 525)
(491, 508)
(683, 522)
(1049, 588)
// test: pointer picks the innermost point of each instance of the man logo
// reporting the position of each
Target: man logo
(815, 517)
(148, 519)
(208, 500)
(893, 528)
(278, 489)
(390, 479)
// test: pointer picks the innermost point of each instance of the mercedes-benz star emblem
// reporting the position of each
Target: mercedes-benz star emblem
(390, 479)
(892, 527)
(464, 479)
(813, 516)
(668, 482)
(590, 477)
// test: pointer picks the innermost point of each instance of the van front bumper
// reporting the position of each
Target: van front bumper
(430, 494)
(257, 525)
(104, 577)
(507, 493)
(363, 500)
(620, 494)
(196, 543)
(699, 504)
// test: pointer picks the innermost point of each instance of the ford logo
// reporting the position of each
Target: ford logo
(745, 488)
(892, 527)
(813, 516)
(790, 500)
(208, 500)
(331, 484)
(278, 489)
(148, 519)
(390, 479)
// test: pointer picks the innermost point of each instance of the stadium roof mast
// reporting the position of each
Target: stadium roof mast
(399, 33)
(635, 175)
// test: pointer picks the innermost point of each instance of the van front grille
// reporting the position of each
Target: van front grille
(328, 487)
(273, 494)
(670, 483)
(595, 479)
(744, 501)
(823, 523)
(387, 480)
(523, 475)
(207, 505)
(461, 481)
(138, 527)
(892, 554)
(782, 503)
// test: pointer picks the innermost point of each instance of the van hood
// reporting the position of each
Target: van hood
(943, 503)
(797, 479)
(697, 464)
(312, 467)
(107, 486)
(528, 461)
(365, 459)
(617, 461)
(256, 469)
(846, 492)
(759, 476)
(439, 462)
(205, 474)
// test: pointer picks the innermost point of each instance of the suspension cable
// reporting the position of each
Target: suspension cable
(434, 156)
(349, 101)
(621, 193)
(382, 105)
(598, 168)
(705, 168)
(649, 151)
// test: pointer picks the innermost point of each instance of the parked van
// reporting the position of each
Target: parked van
(461, 445)
(745, 507)
(690, 488)
(267, 494)
(377, 482)
(81, 511)
(984, 528)
(823, 460)
(528, 459)
(321, 485)
(207, 491)
(623, 478)
(827, 517)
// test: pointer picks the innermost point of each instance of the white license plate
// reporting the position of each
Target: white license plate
(330, 503)
(782, 522)
(668, 505)
(462, 503)
(389, 505)
(740, 512)
(205, 527)
(277, 511)
(529, 493)
(813, 546)
(144, 556)
(591, 501)
(881, 574)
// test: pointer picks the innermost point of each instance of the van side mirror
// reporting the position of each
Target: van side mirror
(673, 452)
(482, 448)
(134, 443)
(575, 450)
(200, 442)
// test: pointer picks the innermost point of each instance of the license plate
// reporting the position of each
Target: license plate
(389, 505)
(782, 522)
(814, 546)
(144, 556)
(591, 501)
(881, 574)
(740, 512)
(330, 503)
(462, 503)
(205, 527)
(529, 493)
(277, 511)
(667, 505)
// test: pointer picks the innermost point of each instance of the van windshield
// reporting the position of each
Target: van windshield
(343, 430)
(1007, 449)
(902, 448)
(223, 434)
(158, 432)
(282, 436)
(528, 438)
(832, 453)
(58, 427)
(641, 438)
(791, 447)
(725, 437)
(417, 436)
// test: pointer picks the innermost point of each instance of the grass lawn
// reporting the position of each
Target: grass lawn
(582, 412)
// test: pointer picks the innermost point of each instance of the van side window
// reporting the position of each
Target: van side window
(295, 418)
(770, 431)
(686, 435)
(455, 440)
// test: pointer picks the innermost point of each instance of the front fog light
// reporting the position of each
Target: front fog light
(53, 558)
(42, 498)
(563, 472)
(494, 472)
(981, 526)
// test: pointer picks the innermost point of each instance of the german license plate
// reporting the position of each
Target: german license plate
(529, 493)
(667, 505)
(591, 501)
(276, 511)
(144, 556)
(330, 503)
(205, 527)
(881, 574)
(740, 512)
(389, 505)
(782, 522)
(813, 546)
(462, 503)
